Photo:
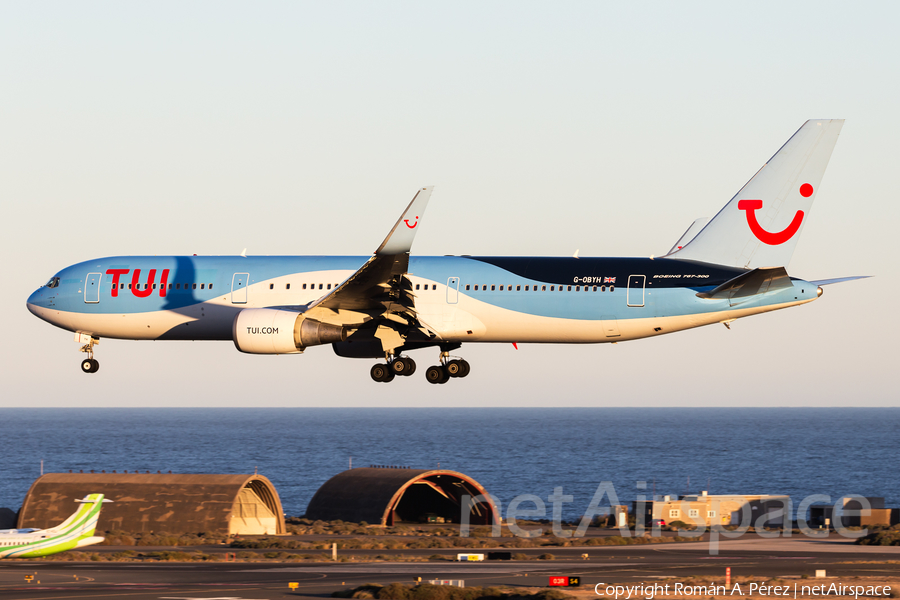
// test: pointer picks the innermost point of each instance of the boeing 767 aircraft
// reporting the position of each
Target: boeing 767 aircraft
(75, 532)
(385, 305)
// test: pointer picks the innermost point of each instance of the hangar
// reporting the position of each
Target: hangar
(388, 496)
(171, 503)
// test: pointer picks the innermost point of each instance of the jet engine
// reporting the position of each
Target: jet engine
(273, 331)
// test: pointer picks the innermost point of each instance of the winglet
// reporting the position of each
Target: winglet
(401, 237)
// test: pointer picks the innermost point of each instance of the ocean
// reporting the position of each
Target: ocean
(510, 451)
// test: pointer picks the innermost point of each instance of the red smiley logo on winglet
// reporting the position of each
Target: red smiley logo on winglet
(413, 226)
(779, 237)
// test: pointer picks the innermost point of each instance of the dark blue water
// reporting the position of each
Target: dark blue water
(795, 451)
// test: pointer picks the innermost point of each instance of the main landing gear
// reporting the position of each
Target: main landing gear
(448, 368)
(90, 364)
(403, 366)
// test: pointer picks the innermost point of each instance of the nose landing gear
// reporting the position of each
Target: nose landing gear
(89, 364)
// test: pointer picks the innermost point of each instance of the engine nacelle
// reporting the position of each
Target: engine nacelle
(273, 331)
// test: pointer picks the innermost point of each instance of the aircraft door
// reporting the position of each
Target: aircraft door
(239, 284)
(635, 295)
(92, 288)
(453, 290)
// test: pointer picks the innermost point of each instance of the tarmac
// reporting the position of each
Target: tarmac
(750, 556)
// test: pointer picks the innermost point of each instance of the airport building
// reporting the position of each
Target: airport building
(388, 496)
(705, 509)
(145, 502)
(855, 512)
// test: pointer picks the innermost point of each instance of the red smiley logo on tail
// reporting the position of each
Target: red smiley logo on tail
(413, 226)
(779, 237)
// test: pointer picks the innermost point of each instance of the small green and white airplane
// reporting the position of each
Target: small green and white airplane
(74, 532)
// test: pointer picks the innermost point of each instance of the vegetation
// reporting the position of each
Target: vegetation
(887, 537)
(425, 591)
(123, 538)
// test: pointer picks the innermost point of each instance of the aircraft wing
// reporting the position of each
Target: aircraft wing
(380, 293)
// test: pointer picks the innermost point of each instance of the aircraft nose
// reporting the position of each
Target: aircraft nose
(33, 302)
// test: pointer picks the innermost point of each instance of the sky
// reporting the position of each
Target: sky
(546, 127)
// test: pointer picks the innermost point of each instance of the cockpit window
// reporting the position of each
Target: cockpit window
(54, 282)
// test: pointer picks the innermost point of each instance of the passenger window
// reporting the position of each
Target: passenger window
(271, 286)
(320, 286)
(612, 288)
(122, 286)
(595, 288)
(602, 288)
(552, 288)
(129, 286)
(467, 287)
(287, 286)
(434, 286)
(518, 288)
(170, 286)
(526, 288)
(569, 288)
(177, 286)
(493, 288)
(543, 288)
(417, 286)
(193, 286)
(202, 286)
(329, 286)
(577, 288)
(210, 286)
(501, 288)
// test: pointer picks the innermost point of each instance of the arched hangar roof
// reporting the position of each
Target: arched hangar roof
(173, 503)
(388, 495)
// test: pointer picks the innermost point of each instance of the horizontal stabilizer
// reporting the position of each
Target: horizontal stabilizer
(822, 282)
(757, 281)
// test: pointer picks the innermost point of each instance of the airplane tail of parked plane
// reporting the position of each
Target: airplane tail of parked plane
(761, 224)
(75, 532)
(83, 522)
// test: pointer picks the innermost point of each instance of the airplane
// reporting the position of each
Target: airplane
(388, 304)
(75, 532)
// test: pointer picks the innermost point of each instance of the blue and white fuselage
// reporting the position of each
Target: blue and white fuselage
(391, 303)
(461, 298)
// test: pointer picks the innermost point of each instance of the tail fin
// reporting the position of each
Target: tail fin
(760, 226)
(84, 520)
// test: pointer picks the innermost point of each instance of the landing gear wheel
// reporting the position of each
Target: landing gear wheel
(454, 368)
(96, 366)
(436, 374)
(87, 365)
(403, 366)
(381, 372)
(464, 371)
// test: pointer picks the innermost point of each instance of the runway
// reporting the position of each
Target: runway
(791, 558)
